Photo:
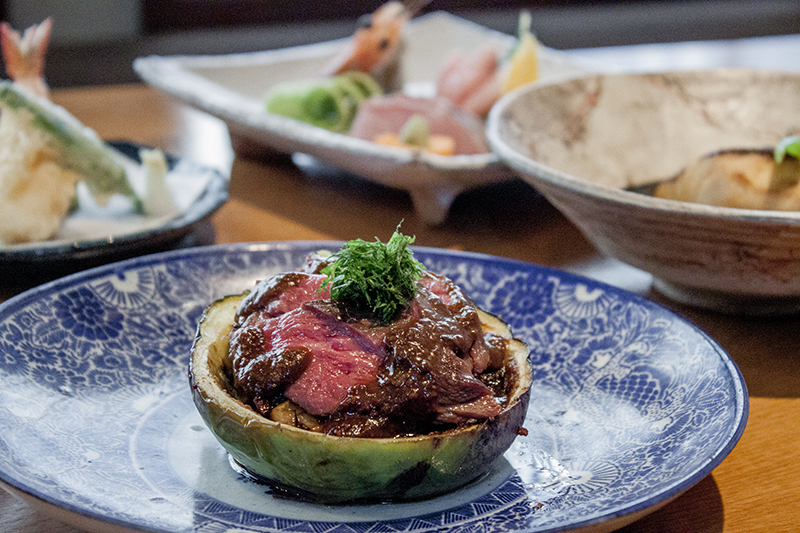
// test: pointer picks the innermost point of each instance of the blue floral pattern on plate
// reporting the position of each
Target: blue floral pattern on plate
(631, 405)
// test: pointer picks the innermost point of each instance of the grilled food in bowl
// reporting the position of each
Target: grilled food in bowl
(595, 147)
(265, 375)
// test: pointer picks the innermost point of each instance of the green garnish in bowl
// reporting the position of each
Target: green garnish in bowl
(788, 146)
(374, 278)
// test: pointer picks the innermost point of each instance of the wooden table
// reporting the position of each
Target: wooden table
(756, 488)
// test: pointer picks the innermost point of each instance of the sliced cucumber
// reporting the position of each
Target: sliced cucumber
(329, 103)
(318, 102)
(365, 84)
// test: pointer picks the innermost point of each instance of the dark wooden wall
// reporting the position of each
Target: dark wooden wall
(171, 15)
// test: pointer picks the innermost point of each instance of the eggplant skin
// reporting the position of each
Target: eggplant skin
(328, 469)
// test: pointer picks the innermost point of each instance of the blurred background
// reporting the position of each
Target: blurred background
(95, 41)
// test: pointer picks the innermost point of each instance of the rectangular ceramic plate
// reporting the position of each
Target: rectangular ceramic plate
(231, 87)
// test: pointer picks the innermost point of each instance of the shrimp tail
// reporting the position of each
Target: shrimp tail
(377, 41)
(24, 54)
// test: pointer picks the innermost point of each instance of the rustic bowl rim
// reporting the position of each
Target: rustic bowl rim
(534, 171)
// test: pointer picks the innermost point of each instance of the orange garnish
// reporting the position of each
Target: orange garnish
(437, 144)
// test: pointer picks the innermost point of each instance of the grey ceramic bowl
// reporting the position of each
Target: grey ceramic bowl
(585, 142)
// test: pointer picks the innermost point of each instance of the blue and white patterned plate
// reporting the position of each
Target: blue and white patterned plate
(631, 405)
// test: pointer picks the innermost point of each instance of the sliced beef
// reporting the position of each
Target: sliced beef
(282, 293)
(474, 345)
(482, 408)
(317, 359)
(424, 372)
(432, 369)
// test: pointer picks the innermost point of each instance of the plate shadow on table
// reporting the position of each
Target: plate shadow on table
(698, 509)
(501, 205)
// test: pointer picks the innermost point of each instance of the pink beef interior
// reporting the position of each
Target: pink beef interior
(414, 375)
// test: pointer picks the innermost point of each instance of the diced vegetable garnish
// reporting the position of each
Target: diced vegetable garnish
(415, 134)
(437, 144)
(415, 131)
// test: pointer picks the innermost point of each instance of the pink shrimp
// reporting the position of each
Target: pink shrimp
(377, 41)
(24, 55)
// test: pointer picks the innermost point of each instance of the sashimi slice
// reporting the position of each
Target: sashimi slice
(379, 115)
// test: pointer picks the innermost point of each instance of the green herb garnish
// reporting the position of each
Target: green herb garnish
(374, 278)
(788, 146)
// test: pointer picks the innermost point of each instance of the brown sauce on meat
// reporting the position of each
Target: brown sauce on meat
(268, 291)
(438, 369)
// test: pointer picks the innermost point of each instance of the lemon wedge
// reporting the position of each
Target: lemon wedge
(523, 67)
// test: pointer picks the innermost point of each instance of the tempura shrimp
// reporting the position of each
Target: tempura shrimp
(24, 55)
(45, 152)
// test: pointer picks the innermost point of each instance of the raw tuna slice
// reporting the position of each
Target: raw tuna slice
(471, 82)
(384, 114)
